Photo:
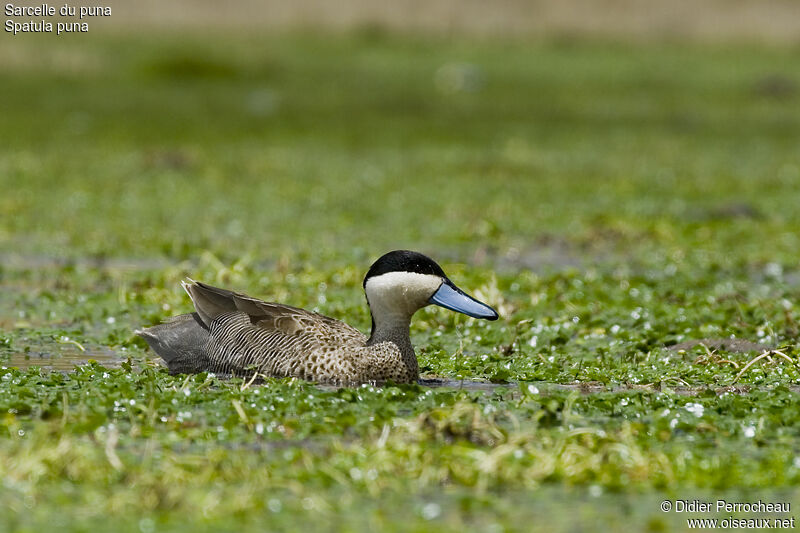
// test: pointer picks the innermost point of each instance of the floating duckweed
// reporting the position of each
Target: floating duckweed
(431, 511)
(274, 505)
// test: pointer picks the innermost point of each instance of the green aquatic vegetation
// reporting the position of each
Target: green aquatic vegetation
(614, 203)
(155, 437)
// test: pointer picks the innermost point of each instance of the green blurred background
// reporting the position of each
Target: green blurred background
(518, 130)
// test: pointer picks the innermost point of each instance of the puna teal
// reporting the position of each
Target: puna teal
(231, 333)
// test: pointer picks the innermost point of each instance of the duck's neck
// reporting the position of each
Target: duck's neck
(395, 329)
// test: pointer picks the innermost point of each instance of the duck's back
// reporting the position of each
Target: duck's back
(235, 334)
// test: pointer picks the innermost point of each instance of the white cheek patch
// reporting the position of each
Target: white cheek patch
(400, 293)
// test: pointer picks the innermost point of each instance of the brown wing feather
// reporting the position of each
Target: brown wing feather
(276, 338)
(210, 302)
(213, 301)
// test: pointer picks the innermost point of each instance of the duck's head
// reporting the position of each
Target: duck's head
(402, 282)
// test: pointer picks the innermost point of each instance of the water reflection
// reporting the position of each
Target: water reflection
(63, 357)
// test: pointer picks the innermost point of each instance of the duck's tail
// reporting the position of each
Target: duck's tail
(181, 342)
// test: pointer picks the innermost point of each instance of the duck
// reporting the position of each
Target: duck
(230, 333)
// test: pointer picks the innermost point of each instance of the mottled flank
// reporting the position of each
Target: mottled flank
(235, 334)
